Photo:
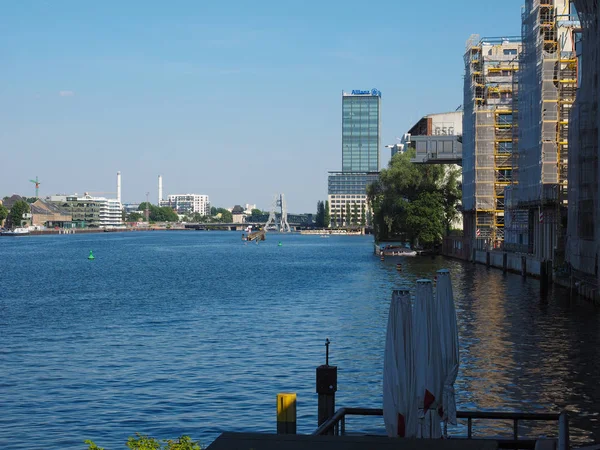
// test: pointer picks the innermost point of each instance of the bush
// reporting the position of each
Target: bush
(142, 442)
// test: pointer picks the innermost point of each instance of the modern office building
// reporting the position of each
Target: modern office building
(91, 211)
(490, 67)
(188, 203)
(361, 140)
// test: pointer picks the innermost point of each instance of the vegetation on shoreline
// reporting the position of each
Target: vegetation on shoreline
(142, 442)
(415, 203)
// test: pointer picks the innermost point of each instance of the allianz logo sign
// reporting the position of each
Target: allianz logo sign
(373, 92)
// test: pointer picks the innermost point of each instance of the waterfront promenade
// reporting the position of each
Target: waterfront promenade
(195, 333)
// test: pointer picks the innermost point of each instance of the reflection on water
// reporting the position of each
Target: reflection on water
(195, 333)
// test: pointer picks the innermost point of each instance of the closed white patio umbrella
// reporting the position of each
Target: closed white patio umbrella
(427, 361)
(449, 345)
(399, 403)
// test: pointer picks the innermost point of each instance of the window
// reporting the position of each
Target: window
(510, 51)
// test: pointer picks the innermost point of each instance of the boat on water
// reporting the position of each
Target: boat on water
(397, 250)
(15, 232)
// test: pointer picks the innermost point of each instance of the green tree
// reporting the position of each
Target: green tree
(213, 211)
(354, 214)
(142, 442)
(31, 200)
(327, 215)
(413, 202)
(320, 216)
(199, 218)
(257, 212)
(362, 215)
(226, 216)
(134, 217)
(159, 214)
(3, 213)
(19, 208)
(452, 195)
(348, 214)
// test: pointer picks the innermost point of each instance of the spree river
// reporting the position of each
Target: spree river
(172, 333)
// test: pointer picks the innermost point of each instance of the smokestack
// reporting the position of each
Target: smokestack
(160, 197)
(119, 186)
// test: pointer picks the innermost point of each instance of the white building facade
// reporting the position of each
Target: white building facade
(188, 203)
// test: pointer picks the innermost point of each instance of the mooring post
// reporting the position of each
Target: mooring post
(286, 413)
(326, 388)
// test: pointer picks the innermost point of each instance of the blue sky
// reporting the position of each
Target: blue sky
(238, 100)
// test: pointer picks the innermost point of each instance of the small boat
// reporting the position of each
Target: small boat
(15, 232)
(397, 250)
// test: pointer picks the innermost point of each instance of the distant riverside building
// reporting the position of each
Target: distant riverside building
(435, 138)
(361, 140)
(91, 211)
(188, 203)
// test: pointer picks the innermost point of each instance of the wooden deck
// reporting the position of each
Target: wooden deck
(258, 441)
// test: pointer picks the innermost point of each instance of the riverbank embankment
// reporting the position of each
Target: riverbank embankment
(524, 264)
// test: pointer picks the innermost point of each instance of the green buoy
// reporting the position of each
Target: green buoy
(279, 244)
(91, 255)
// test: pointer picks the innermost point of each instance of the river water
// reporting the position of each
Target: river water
(171, 333)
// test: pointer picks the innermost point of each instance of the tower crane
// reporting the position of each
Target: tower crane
(37, 186)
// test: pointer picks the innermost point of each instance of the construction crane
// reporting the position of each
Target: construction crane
(37, 186)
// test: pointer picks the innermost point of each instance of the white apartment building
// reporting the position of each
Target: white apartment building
(348, 209)
(188, 203)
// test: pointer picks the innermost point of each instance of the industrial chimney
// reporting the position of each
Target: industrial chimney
(119, 186)
(160, 194)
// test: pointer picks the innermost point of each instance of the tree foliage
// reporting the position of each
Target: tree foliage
(17, 210)
(320, 216)
(327, 215)
(159, 213)
(414, 202)
(257, 212)
(134, 217)
(142, 442)
(348, 214)
(3, 213)
(223, 215)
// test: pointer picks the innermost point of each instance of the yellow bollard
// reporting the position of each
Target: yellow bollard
(286, 413)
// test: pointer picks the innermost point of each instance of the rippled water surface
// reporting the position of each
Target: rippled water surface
(171, 333)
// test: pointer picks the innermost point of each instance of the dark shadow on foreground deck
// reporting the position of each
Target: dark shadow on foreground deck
(258, 441)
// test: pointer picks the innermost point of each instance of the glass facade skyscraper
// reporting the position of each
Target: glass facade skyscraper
(347, 190)
(360, 131)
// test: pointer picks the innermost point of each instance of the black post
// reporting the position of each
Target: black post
(326, 388)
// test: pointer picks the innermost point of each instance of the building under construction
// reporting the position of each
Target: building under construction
(583, 234)
(547, 84)
(490, 67)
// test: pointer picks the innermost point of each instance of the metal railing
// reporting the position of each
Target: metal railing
(337, 424)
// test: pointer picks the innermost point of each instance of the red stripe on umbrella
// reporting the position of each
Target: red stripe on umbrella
(401, 426)
(429, 399)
